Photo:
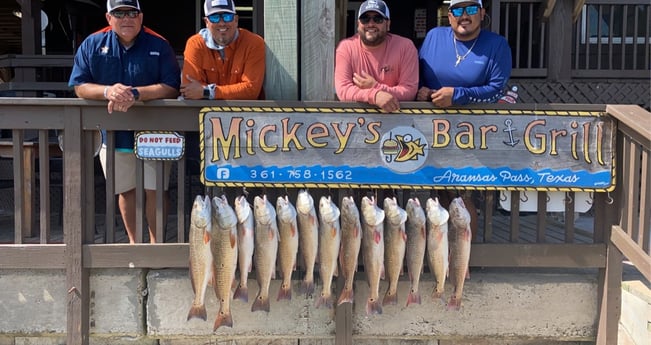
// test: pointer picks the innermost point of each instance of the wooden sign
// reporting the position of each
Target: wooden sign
(416, 148)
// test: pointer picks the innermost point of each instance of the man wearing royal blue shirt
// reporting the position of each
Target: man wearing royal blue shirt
(462, 63)
(124, 63)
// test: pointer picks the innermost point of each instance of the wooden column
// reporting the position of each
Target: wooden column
(31, 40)
(317, 50)
(560, 50)
(31, 26)
(281, 37)
(77, 277)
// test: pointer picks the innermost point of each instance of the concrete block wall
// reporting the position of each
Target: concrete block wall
(150, 307)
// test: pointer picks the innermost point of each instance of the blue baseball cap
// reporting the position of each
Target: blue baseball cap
(376, 6)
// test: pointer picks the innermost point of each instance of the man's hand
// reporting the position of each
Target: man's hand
(364, 80)
(424, 94)
(120, 106)
(387, 102)
(120, 98)
(192, 90)
(443, 97)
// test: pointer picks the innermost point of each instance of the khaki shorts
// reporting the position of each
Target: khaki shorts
(125, 171)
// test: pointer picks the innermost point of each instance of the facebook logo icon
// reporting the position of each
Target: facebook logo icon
(223, 174)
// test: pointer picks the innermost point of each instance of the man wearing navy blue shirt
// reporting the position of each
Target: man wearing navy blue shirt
(125, 63)
(461, 63)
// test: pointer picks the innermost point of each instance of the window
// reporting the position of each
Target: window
(615, 24)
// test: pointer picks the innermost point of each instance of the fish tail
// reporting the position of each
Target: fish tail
(261, 303)
(454, 303)
(285, 292)
(198, 311)
(373, 307)
(437, 293)
(308, 287)
(324, 300)
(390, 298)
(223, 319)
(241, 293)
(413, 297)
(346, 296)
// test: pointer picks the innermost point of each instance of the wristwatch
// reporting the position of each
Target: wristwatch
(206, 92)
(136, 94)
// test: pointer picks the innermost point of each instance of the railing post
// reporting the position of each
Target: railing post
(610, 292)
(77, 277)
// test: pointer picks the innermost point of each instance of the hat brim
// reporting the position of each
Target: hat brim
(469, 2)
(373, 10)
(125, 6)
(220, 10)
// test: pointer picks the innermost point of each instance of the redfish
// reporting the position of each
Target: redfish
(288, 246)
(245, 245)
(329, 243)
(437, 244)
(373, 251)
(416, 244)
(308, 235)
(201, 260)
(460, 239)
(224, 250)
(395, 244)
(266, 249)
(351, 242)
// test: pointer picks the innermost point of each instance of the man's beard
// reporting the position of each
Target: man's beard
(379, 39)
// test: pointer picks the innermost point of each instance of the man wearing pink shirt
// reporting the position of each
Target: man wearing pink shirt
(375, 66)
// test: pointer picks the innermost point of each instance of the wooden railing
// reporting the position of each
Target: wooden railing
(630, 236)
(609, 38)
(82, 246)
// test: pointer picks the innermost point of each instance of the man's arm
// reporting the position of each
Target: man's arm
(345, 87)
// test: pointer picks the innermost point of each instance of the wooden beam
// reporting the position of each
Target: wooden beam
(32, 256)
(578, 5)
(162, 255)
(77, 277)
(631, 250)
(560, 50)
(538, 255)
(282, 61)
(610, 297)
(549, 8)
(317, 50)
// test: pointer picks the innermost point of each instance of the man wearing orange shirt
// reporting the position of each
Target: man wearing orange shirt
(223, 61)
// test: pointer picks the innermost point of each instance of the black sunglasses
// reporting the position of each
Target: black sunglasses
(367, 19)
(122, 14)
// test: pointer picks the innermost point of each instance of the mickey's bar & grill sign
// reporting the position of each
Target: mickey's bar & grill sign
(416, 148)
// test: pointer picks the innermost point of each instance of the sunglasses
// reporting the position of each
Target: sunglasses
(217, 17)
(122, 14)
(375, 19)
(470, 10)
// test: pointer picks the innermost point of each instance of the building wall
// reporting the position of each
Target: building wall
(139, 305)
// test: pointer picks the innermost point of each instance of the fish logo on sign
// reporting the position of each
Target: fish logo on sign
(404, 151)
